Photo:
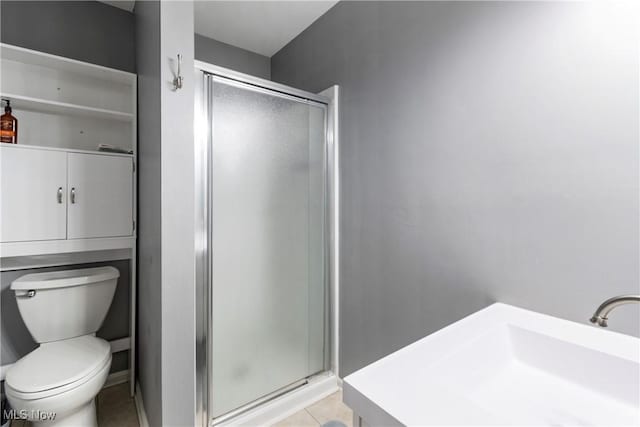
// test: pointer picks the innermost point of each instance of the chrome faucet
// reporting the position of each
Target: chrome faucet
(600, 316)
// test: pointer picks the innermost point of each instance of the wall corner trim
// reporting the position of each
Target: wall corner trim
(142, 415)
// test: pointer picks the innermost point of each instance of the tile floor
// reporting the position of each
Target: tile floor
(114, 407)
(328, 409)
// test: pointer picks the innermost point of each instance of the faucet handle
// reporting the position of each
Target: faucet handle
(600, 321)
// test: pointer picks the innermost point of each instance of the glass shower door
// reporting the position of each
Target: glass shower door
(267, 204)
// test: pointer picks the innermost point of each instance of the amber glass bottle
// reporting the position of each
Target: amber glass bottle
(8, 126)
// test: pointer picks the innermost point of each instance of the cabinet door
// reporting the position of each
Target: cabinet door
(33, 194)
(100, 189)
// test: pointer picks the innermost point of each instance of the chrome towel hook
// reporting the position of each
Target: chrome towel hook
(177, 81)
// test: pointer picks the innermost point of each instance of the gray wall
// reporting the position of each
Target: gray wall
(166, 258)
(149, 321)
(489, 153)
(16, 340)
(85, 30)
(178, 217)
(235, 58)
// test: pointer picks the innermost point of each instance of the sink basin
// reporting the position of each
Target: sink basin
(504, 366)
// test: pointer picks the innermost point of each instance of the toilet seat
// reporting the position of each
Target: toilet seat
(57, 367)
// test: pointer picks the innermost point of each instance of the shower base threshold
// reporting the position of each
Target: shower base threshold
(286, 404)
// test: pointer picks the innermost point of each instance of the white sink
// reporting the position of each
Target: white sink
(504, 366)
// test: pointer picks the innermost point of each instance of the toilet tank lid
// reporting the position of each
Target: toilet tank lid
(64, 278)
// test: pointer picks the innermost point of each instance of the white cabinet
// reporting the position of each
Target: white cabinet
(33, 195)
(100, 196)
(66, 108)
(50, 194)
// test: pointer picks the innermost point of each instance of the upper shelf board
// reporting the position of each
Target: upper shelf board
(28, 56)
(20, 102)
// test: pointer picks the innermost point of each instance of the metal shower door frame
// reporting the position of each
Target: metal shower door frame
(203, 140)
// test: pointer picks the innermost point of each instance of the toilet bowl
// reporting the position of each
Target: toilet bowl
(56, 384)
(60, 379)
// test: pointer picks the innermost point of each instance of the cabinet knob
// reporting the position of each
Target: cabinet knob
(73, 194)
(60, 195)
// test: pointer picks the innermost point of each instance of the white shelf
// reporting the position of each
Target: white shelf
(41, 59)
(44, 247)
(20, 102)
(28, 262)
(66, 150)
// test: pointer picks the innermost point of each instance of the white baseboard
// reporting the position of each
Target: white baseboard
(286, 405)
(116, 378)
(142, 415)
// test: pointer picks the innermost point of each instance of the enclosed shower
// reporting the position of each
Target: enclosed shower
(266, 189)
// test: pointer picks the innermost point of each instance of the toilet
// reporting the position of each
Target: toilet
(56, 384)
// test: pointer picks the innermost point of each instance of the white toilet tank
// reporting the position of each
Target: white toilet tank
(65, 304)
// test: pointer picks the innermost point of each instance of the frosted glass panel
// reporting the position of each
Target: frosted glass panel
(268, 274)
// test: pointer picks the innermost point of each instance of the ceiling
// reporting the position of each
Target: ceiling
(122, 4)
(262, 27)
